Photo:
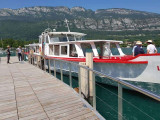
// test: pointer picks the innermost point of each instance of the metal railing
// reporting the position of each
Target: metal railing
(62, 67)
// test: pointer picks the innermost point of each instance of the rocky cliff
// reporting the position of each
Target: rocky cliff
(115, 19)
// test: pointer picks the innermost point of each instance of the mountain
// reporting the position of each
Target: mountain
(28, 23)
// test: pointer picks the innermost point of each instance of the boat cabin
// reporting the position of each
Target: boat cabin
(72, 44)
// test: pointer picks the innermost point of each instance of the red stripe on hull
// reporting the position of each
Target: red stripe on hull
(158, 68)
(113, 59)
(102, 60)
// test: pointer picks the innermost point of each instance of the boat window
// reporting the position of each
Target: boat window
(54, 39)
(58, 38)
(103, 49)
(79, 38)
(51, 49)
(63, 50)
(63, 39)
(71, 37)
(114, 49)
(56, 49)
(73, 52)
(86, 47)
(99, 47)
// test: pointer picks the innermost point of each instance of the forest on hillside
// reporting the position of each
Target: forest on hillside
(22, 33)
(14, 43)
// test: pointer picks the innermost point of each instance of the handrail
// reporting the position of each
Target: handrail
(129, 85)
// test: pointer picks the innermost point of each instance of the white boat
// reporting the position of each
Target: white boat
(72, 46)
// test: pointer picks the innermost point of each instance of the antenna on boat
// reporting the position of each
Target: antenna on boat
(66, 21)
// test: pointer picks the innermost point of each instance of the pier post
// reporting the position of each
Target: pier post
(83, 81)
(79, 79)
(92, 91)
(37, 60)
(54, 68)
(40, 58)
(61, 69)
(29, 58)
(44, 66)
(70, 75)
(120, 105)
(49, 66)
(32, 59)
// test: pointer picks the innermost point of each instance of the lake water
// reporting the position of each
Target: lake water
(136, 106)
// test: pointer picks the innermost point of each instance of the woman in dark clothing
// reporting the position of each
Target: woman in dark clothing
(8, 54)
(138, 50)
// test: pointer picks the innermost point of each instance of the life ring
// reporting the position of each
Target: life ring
(39, 49)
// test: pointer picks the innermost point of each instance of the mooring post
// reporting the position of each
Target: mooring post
(37, 60)
(94, 91)
(61, 69)
(44, 63)
(120, 103)
(70, 75)
(29, 58)
(84, 87)
(40, 58)
(32, 59)
(49, 66)
(54, 68)
(79, 79)
(89, 63)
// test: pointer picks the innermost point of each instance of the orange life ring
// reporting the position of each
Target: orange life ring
(39, 49)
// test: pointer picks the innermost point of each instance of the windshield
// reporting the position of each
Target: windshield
(71, 37)
(58, 38)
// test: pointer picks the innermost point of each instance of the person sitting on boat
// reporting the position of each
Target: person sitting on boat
(134, 48)
(138, 50)
(151, 48)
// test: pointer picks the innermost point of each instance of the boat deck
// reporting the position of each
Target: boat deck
(28, 93)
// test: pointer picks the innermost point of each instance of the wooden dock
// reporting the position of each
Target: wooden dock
(28, 93)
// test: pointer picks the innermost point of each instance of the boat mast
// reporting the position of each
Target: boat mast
(66, 21)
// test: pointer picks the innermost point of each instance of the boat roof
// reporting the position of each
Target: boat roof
(67, 33)
(87, 41)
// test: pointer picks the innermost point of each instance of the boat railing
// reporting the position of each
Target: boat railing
(113, 100)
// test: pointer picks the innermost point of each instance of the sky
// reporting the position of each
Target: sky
(142, 5)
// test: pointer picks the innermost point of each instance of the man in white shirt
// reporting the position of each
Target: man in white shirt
(19, 51)
(151, 48)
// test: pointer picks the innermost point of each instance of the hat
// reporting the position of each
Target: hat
(19, 46)
(149, 41)
(138, 43)
(8, 46)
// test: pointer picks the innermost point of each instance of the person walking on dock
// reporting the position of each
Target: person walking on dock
(8, 54)
(138, 50)
(151, 48)
(19, 51)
